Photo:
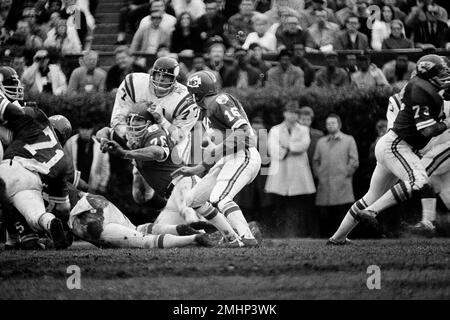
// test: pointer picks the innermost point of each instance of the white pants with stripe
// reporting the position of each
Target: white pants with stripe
(228, 176)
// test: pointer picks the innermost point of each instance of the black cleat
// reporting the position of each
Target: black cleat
(423, 229)
(369, 218)
(31, 242)
(333, 242)
(203, 240)
(185, 230)
(58, 235)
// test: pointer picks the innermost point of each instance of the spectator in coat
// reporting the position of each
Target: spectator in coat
(186, 39)
(332, 75)
(432, 32)
(381, 29)
(368, 75)
(306, 118)
(323, 32)
(290, 33)
(335, 162)
(124, 65)
(87, 78)
(398, 71)
(319, 5)
(211, 23)
(168, 21)
(83, 150)
(418, 13)
(397, 38)
(265, 39)
(149, 37)
(42, 76)
(289, 178)
(244, 75)
(240, 24)
(217, 61)
(255, 53)
(351, 38)
(300, 60)
(64, 38)
(285, 74)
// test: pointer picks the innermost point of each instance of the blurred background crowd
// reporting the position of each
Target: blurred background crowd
(69, 47)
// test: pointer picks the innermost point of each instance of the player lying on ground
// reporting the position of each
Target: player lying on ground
(34, 153)
(231, 161)
(99, 222)
(420, 119)
(150, 149)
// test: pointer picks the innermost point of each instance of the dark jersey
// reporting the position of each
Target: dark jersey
(157, 173)
(36, 145)
(421, 107)
(225, 114)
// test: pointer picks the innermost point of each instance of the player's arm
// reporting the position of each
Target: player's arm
(185, 116)
(10, 111)
(426, 125)
(125, 99)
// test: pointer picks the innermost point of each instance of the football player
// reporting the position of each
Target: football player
(150, 148)
(231, 158)
(419, 120)
(98, 221)
(170, 102)
(34, 151)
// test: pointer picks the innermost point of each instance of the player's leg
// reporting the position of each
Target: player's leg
(198, 199)
(382, 179)
(143, 193)
(24, 191)
(407, 166)
(238, 171)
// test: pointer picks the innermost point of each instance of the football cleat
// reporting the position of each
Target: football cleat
(236, 243)
(185, 230)
(203, 240)
(369, 218)
(333, 242)
(255, 228)
(423, 228)
(58, 235)
(250, 242)
(31, 242)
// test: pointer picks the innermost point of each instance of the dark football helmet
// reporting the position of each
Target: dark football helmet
(62, 126)
(10, 84)
(434, 69)
(163, 74)
(137, 123)
(202, 84)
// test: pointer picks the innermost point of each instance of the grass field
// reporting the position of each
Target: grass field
(279, 269)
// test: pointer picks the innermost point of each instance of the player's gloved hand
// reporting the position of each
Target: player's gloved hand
(189, 171)
(115, 149)
(156, 111)
(103, 137)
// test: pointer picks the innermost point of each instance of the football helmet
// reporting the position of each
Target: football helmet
(435, 70)
(137, 123)
(163, 74)
(10, 84)
(62, 126)
(202, 84)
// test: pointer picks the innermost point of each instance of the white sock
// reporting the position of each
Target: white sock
(171, 241)
(45, 220)
(346, 226)
(428, 209)
(237, 220)
(165, 229)
(218, 220)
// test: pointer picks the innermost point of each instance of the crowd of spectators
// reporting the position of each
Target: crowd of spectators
(231, 39)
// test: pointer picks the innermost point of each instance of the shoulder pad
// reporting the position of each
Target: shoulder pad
(222, 99)
(153, 128)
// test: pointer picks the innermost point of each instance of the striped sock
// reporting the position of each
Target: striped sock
(237, 220)
(350, 221)
(218, 220)
(397, 194)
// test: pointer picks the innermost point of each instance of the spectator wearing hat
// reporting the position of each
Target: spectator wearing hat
(300, 60)
(265, 39)
(289, 177)
(351, 38)
(322, 31)
(244, 74)
(240, 24)
(87, 78)
(285, 74)
(290, 33)
(124, 65)
(397, 38)
(332, 75)
(255, 53)
(398, 71)
(43, 77)
(334, 163)
(368, 75)
(211, 23)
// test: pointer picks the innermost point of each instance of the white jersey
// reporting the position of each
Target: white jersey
(178, 107)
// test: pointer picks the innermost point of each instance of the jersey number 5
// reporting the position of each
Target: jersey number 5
(35, 147)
